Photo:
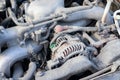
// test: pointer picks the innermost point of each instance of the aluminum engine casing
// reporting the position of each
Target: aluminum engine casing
(39, 8)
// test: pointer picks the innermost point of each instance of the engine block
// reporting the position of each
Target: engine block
(59, 39)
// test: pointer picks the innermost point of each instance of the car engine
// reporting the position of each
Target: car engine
(59, 39)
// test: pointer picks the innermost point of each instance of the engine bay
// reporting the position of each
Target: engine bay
(59, 39)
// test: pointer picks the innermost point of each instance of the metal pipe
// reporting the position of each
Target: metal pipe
(16, 53)
(106, 11)
(95, 13)
(30, 72)
(59, 15)
(59, 12)
(73, 9)
(12, 15)
(78, 28)
(48, 32)
(116, 18)
(14, 5)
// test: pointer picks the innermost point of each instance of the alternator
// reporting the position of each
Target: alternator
(66, 46)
